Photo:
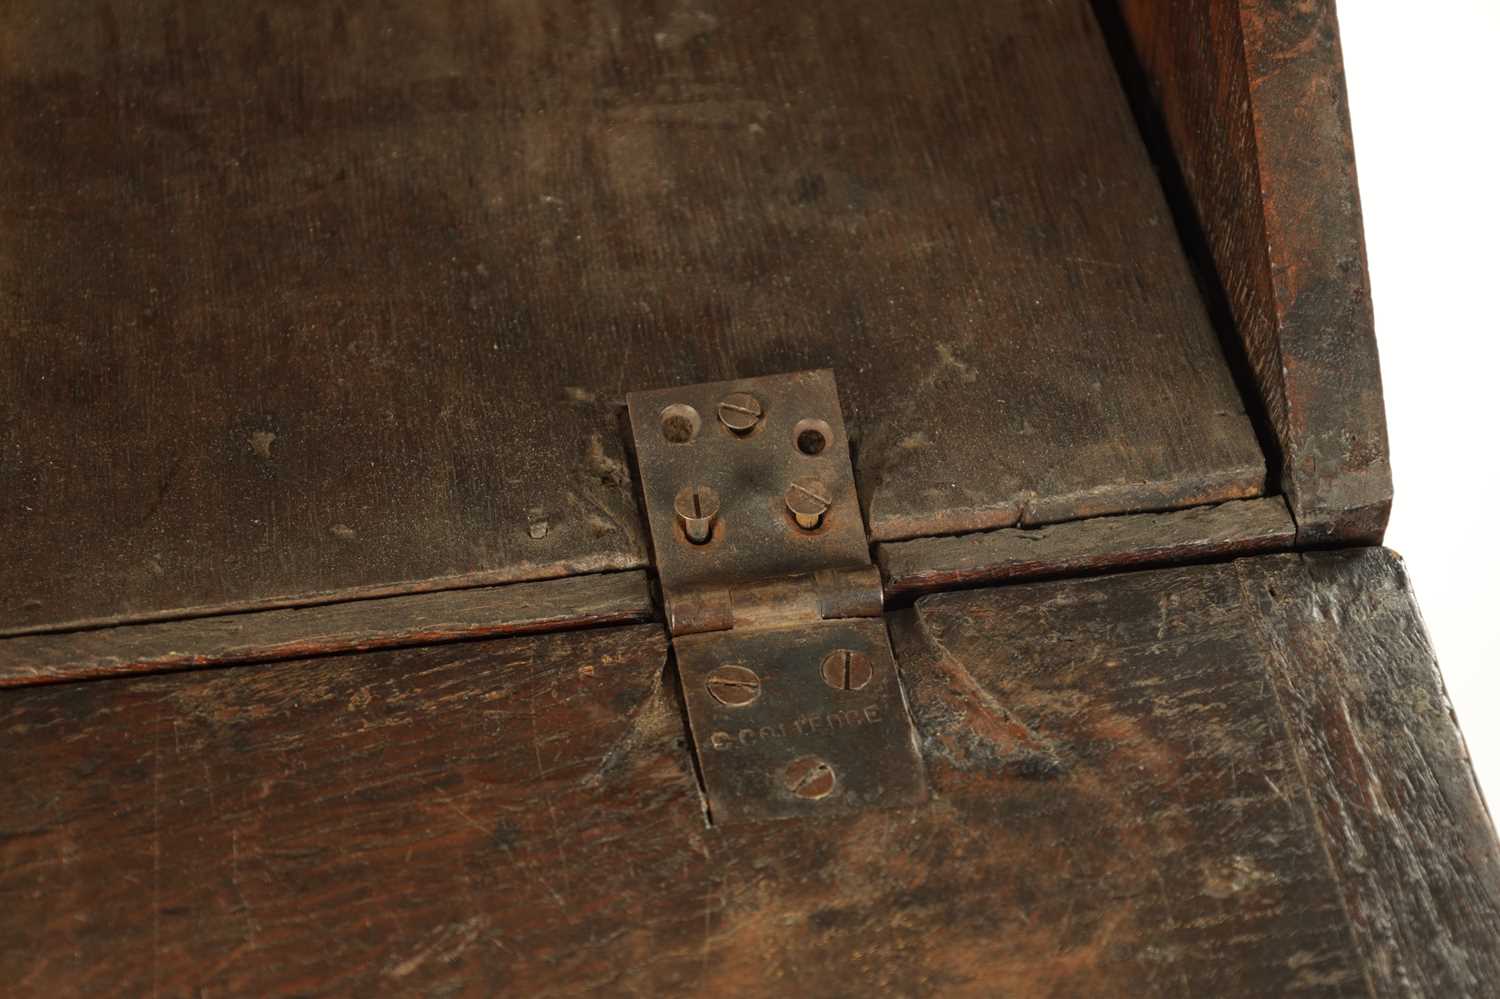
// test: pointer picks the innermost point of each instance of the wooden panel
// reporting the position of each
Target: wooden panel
(1251, 96)
(1099, 544)
(283, 829)
(307, 301)
(1387, 772)
(1236, 779)
(414, 619)
(1319, 660)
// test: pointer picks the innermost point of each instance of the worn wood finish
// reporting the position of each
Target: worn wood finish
(316, 301)
(1405, 829)
(1250, 94)
(1237, 779)
(285, 829)
(421, 618)
(1308, 818)
(1100, 544)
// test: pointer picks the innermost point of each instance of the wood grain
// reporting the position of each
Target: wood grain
(1237, 779)
(1251, 96)
(414, 619)
(1304, 683)
(1386, 769)
(310, 301)
(1075, 548)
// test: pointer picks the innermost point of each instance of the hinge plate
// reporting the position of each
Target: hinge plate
(792, 692)
(682, 443)
(789, 742)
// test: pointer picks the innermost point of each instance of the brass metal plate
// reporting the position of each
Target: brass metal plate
(682, 443)
(776, 740)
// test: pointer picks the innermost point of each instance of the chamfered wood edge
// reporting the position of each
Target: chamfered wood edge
(1099, 544)
(1386, 772)
(1251, 98)
(409, 619)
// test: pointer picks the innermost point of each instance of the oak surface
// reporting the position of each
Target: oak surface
(1239, 779)
(410, 619)
(1251, 97)
(309, 302)
(1080, 547)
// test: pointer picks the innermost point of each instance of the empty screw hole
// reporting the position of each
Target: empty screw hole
(679, 423)
(811, 436)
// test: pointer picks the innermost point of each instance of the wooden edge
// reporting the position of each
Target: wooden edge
(1032, 509)
(1386, 772)
(1242, 527)
(412, 619)
(529, 572)
(1250, 95)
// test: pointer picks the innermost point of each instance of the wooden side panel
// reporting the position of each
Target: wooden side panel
(314, 301)
(413, 619)
(1251, 94)
(1236, 780)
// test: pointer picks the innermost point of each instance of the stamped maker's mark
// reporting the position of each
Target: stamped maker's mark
(830, 724)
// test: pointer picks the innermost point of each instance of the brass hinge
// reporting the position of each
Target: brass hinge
(792, 693)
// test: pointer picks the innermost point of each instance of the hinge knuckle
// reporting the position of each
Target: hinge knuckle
(699, 609)
(825, 595)
(850, 592)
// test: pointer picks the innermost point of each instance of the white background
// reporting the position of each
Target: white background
(1424, 99)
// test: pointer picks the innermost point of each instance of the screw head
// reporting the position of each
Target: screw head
(809, 777)
(740, 412)
(733, 685)
(808, 500)
(847, 669)
(697, 507)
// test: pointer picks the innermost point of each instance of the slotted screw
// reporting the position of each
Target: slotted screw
(733, 685)
(809, 777)
(740, 412)
(697, 509)
(808, 500)
(847, 669)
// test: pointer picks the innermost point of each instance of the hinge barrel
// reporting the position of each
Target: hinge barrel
(825, 595)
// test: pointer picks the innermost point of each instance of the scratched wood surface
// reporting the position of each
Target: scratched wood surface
(1250, 97)
(318, 300)
(1238, 779)
(410, 619)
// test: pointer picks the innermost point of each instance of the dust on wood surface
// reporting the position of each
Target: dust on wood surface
(310, 302)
